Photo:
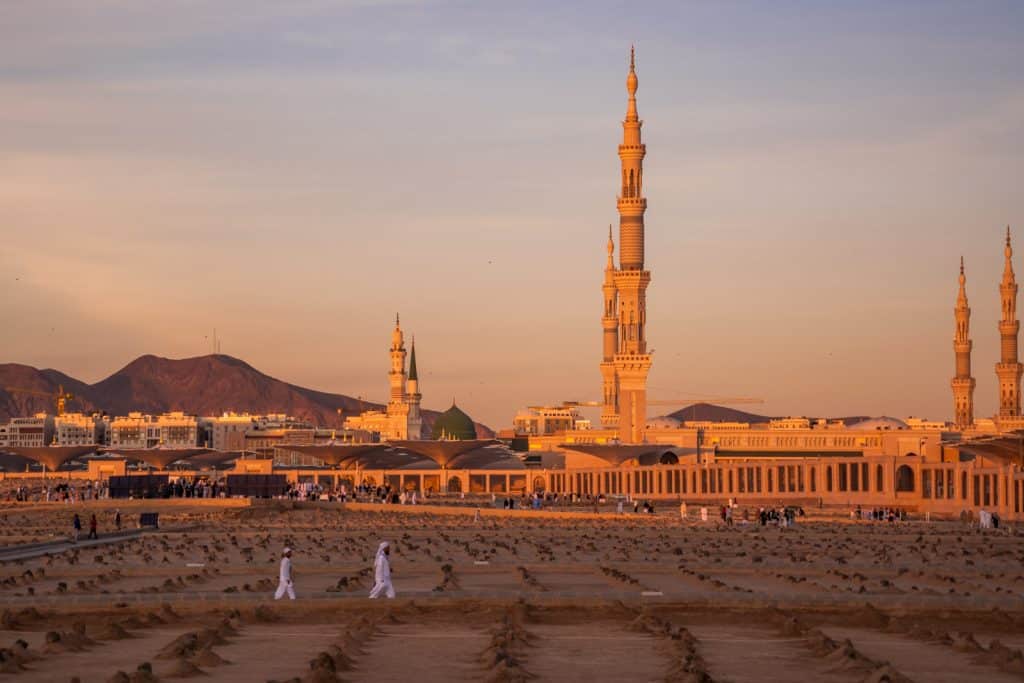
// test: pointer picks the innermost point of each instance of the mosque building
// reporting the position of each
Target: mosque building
(401, 419)
(625, 363)
(938, 468)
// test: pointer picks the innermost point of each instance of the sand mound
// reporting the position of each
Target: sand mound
(207, 657)
(265, 614)
(886, 674)
(144, 674)
(113, 631)
(869, 616)
(965, 642)
(9, 663)
(321, 670)
(847, 657)
(819, 643)
(183, 646)
(342, 662)
(183, 668)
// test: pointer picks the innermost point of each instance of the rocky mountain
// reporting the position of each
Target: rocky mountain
(205, 385)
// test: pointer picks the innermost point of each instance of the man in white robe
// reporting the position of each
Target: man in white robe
(285, 584)
(382, 572)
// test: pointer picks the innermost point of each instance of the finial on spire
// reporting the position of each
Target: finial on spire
(963, 278)
(631, 83)
(396, 321)
(1009, 248)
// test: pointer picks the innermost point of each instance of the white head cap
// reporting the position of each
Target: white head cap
(286, 550)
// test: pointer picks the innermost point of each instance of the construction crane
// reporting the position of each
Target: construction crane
(60, 399)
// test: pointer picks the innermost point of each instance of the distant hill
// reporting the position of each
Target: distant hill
(204, 385)
(712, 413)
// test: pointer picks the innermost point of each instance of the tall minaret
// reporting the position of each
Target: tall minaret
(413, 398)
(397, 375)
(963, 383)
(610, 345)
(1009, 369)
(632, 362)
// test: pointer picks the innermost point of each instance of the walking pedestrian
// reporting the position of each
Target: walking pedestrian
(382, 572)
(285, 577)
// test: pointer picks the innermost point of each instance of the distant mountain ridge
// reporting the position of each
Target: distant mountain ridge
(707, 412)
(203, 385)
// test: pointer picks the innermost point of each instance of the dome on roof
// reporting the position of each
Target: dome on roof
(455, 425)
(879, 423)
(663, 422)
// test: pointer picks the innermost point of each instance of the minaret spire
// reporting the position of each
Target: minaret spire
(414, 419)
(963, 383)
(413, 376)
(1009, 369)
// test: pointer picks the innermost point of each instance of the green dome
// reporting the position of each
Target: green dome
(454, 424)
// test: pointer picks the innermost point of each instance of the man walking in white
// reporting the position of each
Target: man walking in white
(382, 573)
(285, 586)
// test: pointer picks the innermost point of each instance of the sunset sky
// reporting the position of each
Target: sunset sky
(294, 173)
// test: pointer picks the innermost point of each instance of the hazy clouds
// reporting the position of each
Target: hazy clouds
(294, 173)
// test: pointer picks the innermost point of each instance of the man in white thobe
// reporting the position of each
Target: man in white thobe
(382, 573)
(285, 585)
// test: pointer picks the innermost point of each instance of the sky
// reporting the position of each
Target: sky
(294, 173)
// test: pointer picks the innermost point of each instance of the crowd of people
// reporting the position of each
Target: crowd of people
(879, 514)
(64, 492)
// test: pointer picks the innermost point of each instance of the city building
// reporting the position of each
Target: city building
(546, 420)
(30, 432)
(169, 430)
(76, 429)
(401, 418)
(243, 431)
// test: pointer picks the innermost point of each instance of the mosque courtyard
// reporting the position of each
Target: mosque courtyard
(511, 596)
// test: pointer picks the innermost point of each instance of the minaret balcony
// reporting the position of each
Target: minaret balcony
(634, 202)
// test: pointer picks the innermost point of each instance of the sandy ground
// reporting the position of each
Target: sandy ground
(508, 599)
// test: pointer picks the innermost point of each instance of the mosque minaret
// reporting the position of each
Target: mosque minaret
(610, 345)
(401, 418)
(626, 361)
(963, 383)
(397, 375)
(1009, 369)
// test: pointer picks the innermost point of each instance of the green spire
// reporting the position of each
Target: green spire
(412, 361)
